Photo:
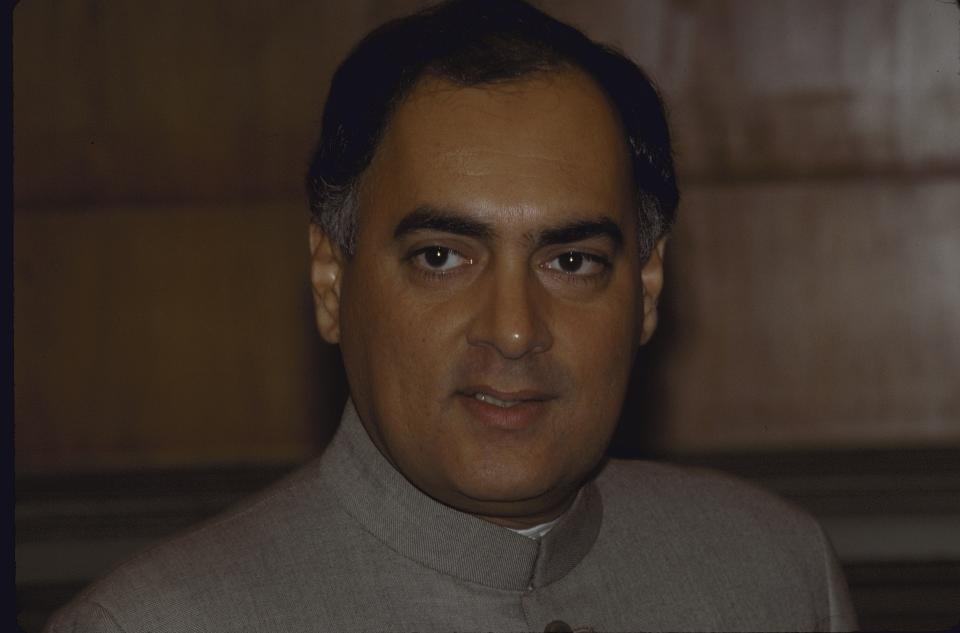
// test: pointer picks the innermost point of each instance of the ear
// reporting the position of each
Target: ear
(652, 278)
(326, 271)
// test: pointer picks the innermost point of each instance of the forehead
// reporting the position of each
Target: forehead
(550, 143)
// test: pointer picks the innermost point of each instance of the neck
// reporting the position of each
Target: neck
(522, 522)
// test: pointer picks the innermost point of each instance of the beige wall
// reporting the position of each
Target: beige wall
(162, 312)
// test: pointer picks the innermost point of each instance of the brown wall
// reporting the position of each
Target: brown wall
(162, 311)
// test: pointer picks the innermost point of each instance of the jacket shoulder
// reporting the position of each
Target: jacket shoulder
(276, 533)
(716, 538)
(630, 486)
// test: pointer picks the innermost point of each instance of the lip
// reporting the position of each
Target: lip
(531, 405)
(523, 394)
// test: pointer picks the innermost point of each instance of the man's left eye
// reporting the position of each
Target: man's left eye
(577, 263)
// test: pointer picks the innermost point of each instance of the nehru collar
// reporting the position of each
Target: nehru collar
(451, 542)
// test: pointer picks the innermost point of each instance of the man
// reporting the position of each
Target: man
(492, 194)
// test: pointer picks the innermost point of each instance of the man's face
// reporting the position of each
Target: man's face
(490, 315)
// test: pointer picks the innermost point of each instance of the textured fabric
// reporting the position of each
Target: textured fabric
(348, 544)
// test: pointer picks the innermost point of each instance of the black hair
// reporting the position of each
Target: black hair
(475, 43)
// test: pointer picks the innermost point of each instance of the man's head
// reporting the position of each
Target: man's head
(491, 193)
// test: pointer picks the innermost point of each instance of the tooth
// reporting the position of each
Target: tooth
(503, 404)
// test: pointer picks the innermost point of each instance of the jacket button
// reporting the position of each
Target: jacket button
(558, 626)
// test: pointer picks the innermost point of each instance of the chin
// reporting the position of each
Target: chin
(508, 487)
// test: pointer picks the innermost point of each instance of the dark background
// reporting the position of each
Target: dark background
(166, 362)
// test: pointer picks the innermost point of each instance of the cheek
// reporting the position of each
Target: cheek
(597, 338)
(596, 345)
(406, 343)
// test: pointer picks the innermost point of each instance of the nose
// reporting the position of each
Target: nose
(509, 315)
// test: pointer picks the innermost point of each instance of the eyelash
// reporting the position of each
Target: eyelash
(581, 279)
(571, 278)
(434, 275)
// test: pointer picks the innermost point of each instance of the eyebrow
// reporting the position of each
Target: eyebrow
(582, 230)
(428, 218)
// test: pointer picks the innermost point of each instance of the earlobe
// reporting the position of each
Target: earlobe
(652, 279)
(326, 268)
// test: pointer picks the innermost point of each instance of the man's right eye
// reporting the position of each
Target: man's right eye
(439, 259)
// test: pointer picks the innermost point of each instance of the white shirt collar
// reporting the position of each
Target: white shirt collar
(538, 531)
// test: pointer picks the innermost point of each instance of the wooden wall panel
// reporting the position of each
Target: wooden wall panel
(815, 315)
(167, 336)
(763, 89)
(129, 101)
(120, 101)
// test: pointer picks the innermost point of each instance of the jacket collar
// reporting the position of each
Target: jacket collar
(451, 542)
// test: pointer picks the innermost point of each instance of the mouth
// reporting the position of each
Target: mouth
(497, 402)
(508, 410)
(505, 399)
